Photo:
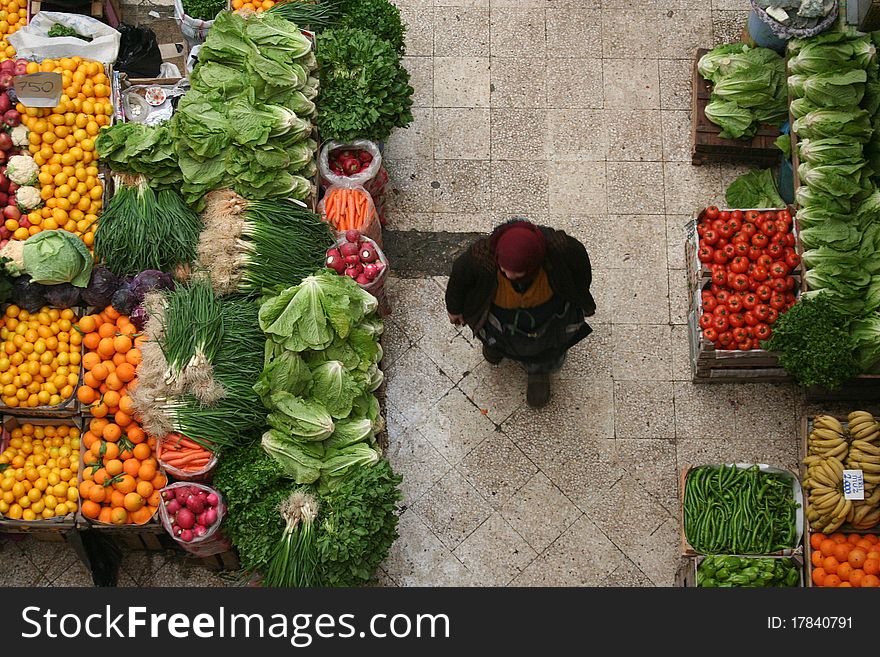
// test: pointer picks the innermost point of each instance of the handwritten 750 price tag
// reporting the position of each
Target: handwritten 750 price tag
(853, 485)
(38, 89)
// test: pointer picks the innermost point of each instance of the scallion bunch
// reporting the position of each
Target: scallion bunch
(294, 562)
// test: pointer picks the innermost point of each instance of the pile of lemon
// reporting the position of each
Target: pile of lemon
(40, 359)
(39, 477)
(256, 6)
(62, 143)
(13, 17)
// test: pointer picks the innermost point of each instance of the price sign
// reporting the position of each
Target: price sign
(38, 89)
(853, 485)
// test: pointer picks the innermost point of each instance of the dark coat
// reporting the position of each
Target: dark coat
(473, 280)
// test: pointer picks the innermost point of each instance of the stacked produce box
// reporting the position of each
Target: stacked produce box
(210, 345)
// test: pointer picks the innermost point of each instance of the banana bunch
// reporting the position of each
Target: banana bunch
(827, 509)
(831, 448)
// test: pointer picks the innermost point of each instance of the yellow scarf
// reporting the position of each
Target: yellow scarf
(539, 293)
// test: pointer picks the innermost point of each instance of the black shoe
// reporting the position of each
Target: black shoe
(538, 390)
(492, 356)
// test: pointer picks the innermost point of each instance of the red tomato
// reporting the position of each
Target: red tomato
(729, 251)
(710, 334)
(776, 251)
(764, 292)
(706, 254)
(779, 270)
(721, 311)
(760, 273)
(736, 215)
(722, 242)
(778, 284)
(769, 228)
(774, 315)
(706, 320)
(712, 212)
(722, 296)
(720, 323)
(726, 339)
(737, 320)
(755, 252)
(753, 285)
(740, 335)
(760, 240)
(781, 226)
(792, 260)
(764, 260)
(790, 283)
(724, 215)
(752, 215)
(719, 257)
(701, 229)
(762, 332)
(790, 240)
(740, 282)
(709, 304)
(762, 312)
(749, 301)
(784, 215)
(739, 265)
(750, 318)
(711, 236)
(749, 229)
(719, 277)
(790, 298)
(741, 247)
(734, 303)
(726, 230)
(777, 301)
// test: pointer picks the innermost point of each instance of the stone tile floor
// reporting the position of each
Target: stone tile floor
(574, 113)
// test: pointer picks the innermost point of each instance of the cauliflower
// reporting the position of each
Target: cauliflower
(28, 198)
(14, 253)
(22, 170)
(20, 135)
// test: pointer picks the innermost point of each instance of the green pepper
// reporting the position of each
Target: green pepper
(791, 579)
(722, 574)
(740, 580)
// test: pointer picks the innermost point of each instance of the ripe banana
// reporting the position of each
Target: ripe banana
(835, 467)
(866, 447)
(867, 467)
(828, 422)
(825, 434)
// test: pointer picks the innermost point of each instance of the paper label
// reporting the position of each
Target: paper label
(38, 89)
(853, 485)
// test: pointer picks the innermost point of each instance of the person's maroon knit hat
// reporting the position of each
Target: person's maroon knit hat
(519, 247)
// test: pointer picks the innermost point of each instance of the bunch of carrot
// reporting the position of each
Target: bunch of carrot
(179, 452)
(348, 209)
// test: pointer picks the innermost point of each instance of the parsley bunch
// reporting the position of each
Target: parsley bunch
(378, 16)
(365, 92)
(814, 343)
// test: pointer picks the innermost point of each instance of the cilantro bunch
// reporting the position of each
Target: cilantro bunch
(380, 17)
(365, 91)
(814, 343)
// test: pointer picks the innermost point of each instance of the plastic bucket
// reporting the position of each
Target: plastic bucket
(762, 35)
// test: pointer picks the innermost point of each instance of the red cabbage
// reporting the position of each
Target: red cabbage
(63, 295)
(102, 287)
(150, 280)
(27, 295)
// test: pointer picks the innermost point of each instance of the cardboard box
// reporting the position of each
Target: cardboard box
(687, 549)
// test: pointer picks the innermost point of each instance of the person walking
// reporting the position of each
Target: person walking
(525, 293)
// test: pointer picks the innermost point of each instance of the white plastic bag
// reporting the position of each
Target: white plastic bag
(33, 40)
(213, 541)
(194, 30)
(359, 179)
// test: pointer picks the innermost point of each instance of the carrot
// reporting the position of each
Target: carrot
(186, 460)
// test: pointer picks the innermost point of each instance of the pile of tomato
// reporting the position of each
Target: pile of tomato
(751, 255)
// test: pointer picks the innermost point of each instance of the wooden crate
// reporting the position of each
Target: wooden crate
(711, 365)
(686, 575)
(51, 529)
(707, 146)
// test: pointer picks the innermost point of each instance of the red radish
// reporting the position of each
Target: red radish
(349, 249)
(352, 235)
(335, 262)
(211, 513)
(370, 271)
(173, 506)
(362, 280)
(351, 166)
(181, 494)
(175, 529)
(351, 260)
(212, 499)
(368, 253)
(365, 157)
(200, 530)
(195, 504)
(185, 518)
(167, 495)
(186, 535)
(351, 272)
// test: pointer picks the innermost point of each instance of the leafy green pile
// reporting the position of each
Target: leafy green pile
(755, 189)
(317, 15)
(59, 30)
(203, 10)
(748, 89)
(245, 124)
(814, 343)
(365, 91)
(321, 366)
(356, 524)
(380, 17)
(724, 571)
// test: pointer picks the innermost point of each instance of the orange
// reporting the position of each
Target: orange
(844, 585)
(89, 438)
(90, 509)
(116, 498)
(160, 481)
(144, 488)
(111, 398)
(111, 452)
(141, 452)
(119, 516)
(125, 484)
(99, 410)
(870, 581)
(114, 467)
(871, 566)
(832, 581)
(830, 565)
(118, 359)
(131, 466)
(87, 324)
(90, 360)
(816, 540)
(107, 330)
(122, 419)
(841, 551)
(865, 544)
(827, 547)
(817, 559)
(99, 371)
(872, 538)
(100, 476)
(90, 380)
(857, 557)
(135, 434)
(843, 571)
(104, 516)
(97, 425)
(146, 474)
(142, 515)
(854, 538)
(114, 383)
(874, 554)
(85, 395)
(122, 343)
(155, 498)
(818, 577)
(855, 577)
(112, 432)
(134, 357)
(97, 494)
(111, 313)
(105, 348)
(133, 501)
(838, 537)
(126, 405)
(125, 372)
(84, 486)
